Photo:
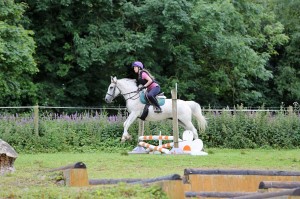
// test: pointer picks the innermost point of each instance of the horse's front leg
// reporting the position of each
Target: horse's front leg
(131, 118)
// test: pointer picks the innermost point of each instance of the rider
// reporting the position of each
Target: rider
(147, 80)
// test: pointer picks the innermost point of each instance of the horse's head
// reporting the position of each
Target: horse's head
(113, 91)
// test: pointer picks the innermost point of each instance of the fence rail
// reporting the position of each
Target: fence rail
(64, 107)
(205, 109)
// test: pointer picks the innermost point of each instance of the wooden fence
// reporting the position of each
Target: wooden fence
(36, 109)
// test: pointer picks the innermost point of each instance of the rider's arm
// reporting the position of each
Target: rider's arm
(149, 80)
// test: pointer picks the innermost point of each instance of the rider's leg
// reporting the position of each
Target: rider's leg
(151, 96)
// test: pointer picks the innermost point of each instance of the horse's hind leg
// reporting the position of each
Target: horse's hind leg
(132, 116)
(189, 126)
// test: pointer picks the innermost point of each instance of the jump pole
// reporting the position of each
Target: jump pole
(154, 148)
(175, 149)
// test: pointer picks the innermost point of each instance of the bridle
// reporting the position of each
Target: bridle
(134, 97)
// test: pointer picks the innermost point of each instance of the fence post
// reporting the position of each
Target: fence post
(141, 128)
(290, 110)
(36, 119)
(175, 116)
(175, 149)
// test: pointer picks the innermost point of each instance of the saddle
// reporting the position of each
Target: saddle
(161, 98)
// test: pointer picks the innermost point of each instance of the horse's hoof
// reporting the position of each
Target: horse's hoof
(126, 137)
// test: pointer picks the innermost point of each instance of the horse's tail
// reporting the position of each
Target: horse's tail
(197, 112)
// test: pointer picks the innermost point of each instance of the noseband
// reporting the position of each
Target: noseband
(113, 95)
(116, 86)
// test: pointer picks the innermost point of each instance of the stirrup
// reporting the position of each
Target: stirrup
(157, 110)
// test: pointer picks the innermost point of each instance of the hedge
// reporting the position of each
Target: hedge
(91, 131)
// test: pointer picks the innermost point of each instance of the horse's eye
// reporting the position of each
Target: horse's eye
(111, 87)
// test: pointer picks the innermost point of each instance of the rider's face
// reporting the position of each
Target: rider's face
(136, 69)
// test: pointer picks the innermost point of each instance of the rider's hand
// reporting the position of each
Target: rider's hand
(141, 88)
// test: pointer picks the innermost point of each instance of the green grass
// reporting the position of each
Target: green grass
(32, 179)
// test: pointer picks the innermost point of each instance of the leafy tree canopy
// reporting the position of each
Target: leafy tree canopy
(287, 65)
(16, 56)
(219, 52)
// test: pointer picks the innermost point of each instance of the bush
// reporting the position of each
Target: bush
(85, 132)
(242, 128)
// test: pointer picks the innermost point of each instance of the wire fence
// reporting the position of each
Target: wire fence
(65, 109)
(123, 108)
(39, 112)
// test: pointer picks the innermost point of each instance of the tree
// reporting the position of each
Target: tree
(217, 51)
(82, 43)
(16, 57)
(233, 41)
(287, 64)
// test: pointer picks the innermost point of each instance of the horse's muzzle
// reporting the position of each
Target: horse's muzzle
(108, 100)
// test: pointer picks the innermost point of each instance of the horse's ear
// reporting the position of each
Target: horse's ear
(113, 79)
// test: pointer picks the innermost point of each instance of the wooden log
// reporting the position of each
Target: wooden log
(290, 192)
(112, 181)
(77, 165)
(173, 188)
(279, 185)
(76, 177)
(191, 194)
(233, 180)
(74, 174)
(163, 178)
(240, 172)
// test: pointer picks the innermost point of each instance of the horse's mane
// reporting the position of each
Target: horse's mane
(129, 82)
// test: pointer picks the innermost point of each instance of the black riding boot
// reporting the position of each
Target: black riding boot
(154, 102)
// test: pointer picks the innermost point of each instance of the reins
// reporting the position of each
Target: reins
(116, 86)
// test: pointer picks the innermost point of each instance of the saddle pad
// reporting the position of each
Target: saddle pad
(161, 99)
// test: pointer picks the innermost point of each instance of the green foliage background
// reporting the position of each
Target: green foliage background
(220, 52)
(17, 64)
(62, 52)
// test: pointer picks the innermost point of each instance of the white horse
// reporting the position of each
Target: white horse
(129, 90)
